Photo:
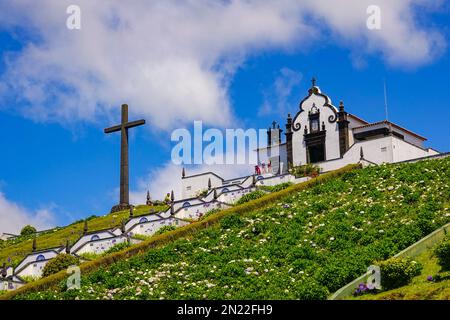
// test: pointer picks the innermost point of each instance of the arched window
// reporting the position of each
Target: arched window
(95, 237)
(40, 257)
(225, 190)
(186, 204)
(143, 220)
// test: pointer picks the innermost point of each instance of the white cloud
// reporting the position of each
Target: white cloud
(14, 217)
(173, 61)
(277, 97)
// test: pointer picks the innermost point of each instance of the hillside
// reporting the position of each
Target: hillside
(305, 246)
(16, 249)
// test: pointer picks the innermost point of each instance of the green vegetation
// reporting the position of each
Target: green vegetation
(433, 283)
(442, 253)
(165, 229)
(306, 170)
(28, 230)
(251, 196)
(397, 272)
(303, 242)
(17, 249)
(118, 247)
(276, 188)
(60, 262)
(185, 231)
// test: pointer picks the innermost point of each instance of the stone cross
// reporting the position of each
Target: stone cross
(123, 127)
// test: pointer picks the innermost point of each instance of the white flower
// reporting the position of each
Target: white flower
(332, 239)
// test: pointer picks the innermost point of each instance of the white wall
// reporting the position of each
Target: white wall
(100, 246)
(149, 228)
(233, 196)
(6, 285)
(31, 258)
(197, 211)
(402, 151)
(332, 134)
(150, 217)
(87, 238)
(191, 186)
(33, 269)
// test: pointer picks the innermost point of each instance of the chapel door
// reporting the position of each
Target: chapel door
(316, 153)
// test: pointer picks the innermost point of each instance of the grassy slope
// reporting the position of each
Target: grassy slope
(18, 249)
(419, 288)
(303, 246)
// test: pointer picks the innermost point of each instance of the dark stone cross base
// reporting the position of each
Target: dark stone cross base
(120, 207)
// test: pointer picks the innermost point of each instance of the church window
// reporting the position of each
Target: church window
(143, 220)
(186, 204)
(314, 125)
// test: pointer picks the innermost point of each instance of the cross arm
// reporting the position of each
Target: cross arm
(113, 129)
(134, 123)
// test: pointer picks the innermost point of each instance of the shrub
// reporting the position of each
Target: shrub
(165, 229)
(277, 187)
(60, 262)
(307, 170)
(232, 221)
(312, 291)
(210, 213)
(117, 247)
(28, 230)
(251, 196)
(442, 252)
(398, 272)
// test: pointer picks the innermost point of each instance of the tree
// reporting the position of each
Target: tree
(27, 230)
(60, 262)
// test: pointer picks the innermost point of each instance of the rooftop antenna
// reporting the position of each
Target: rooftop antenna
(386, 106)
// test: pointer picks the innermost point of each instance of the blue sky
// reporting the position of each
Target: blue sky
(57, 95)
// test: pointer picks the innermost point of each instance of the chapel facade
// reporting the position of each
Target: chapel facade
(330, 137)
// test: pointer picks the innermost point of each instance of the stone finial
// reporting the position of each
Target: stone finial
(172, 210)
(306, 129)
(323, 126)
(131, 211)
(274, 123)
(361, 153)
(67, 247)
(34, 245)
(122, 226)
(289, 124)
(85, 228)
(341, 106)
(183, 173)
(313, 81)
(172, 196)
(209, 184)
(215, 194)
(149, 199)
